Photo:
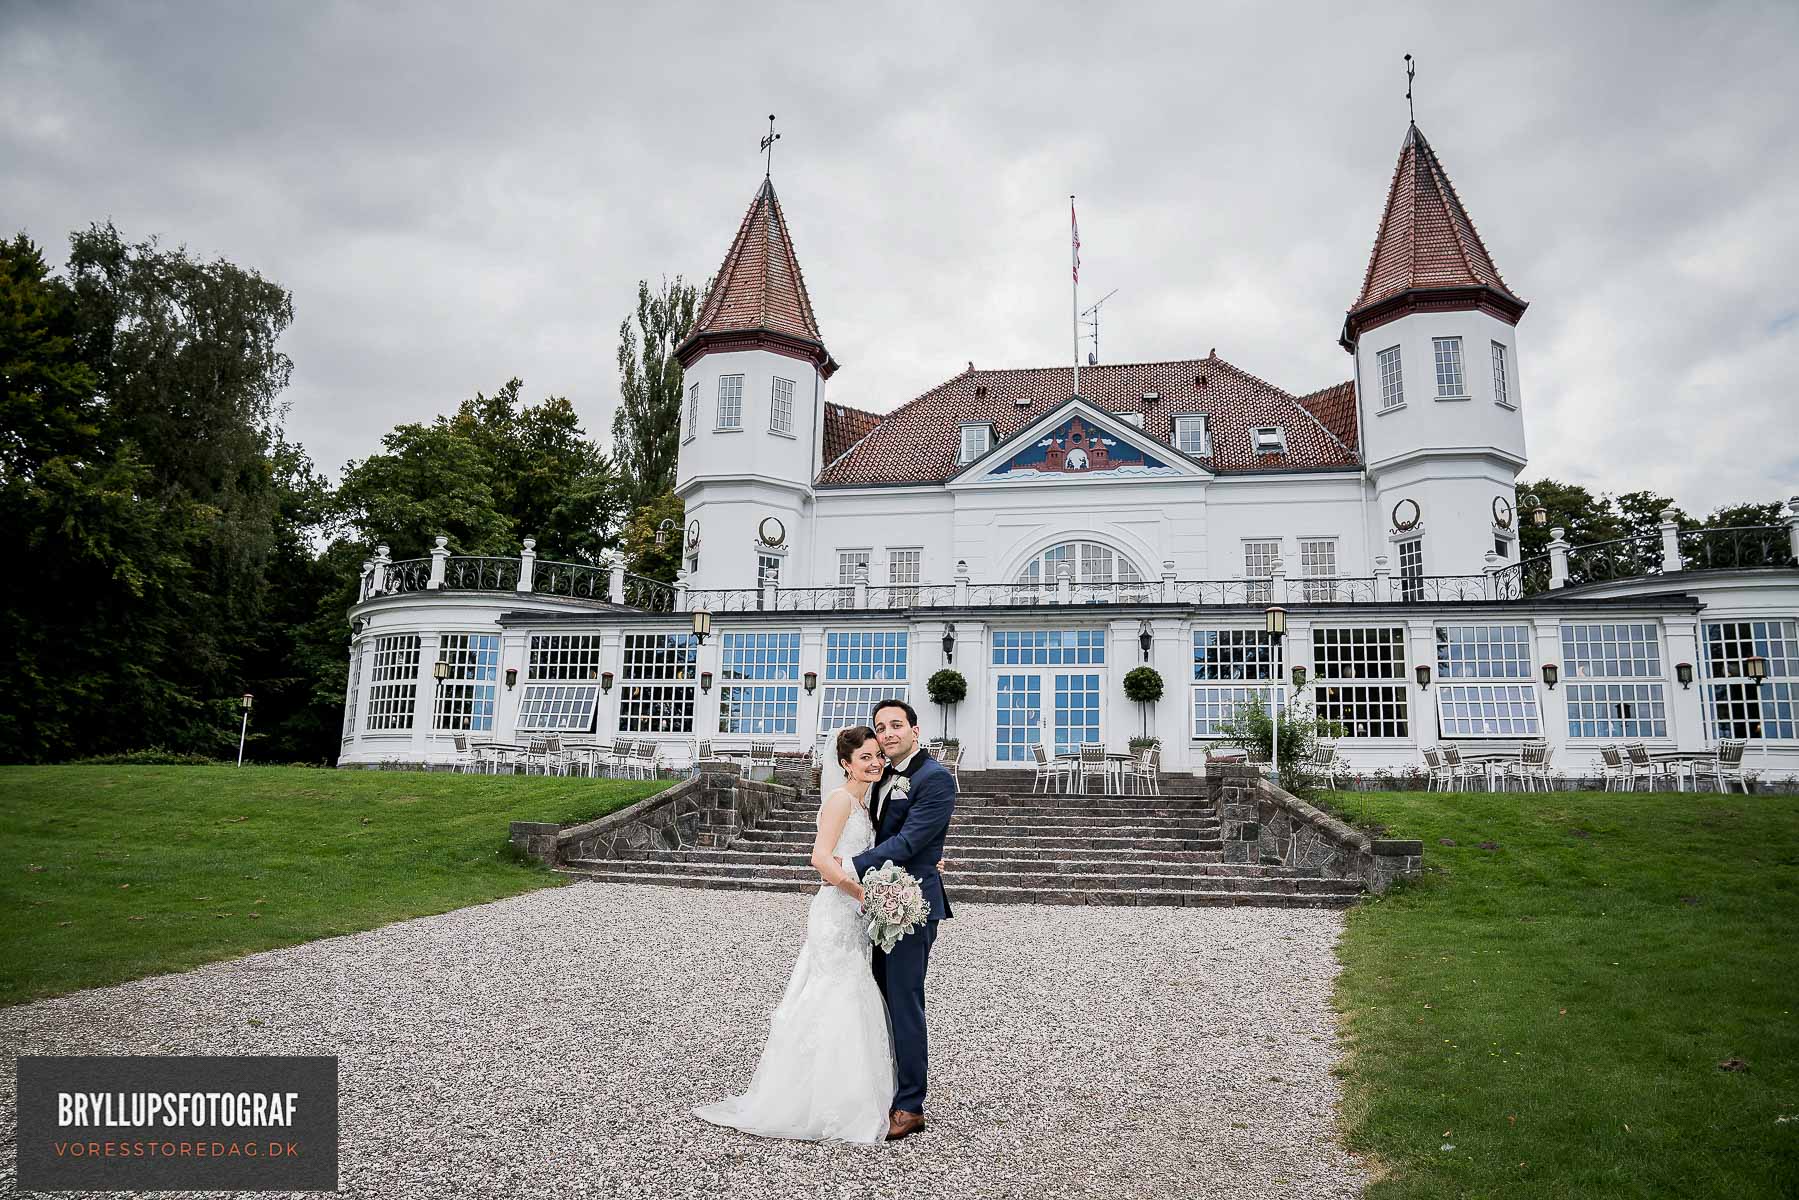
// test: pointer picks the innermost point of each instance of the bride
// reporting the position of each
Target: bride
(827, 1070)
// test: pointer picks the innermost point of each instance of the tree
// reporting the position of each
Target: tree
(650, 549)
(646, 428)
(487, 476)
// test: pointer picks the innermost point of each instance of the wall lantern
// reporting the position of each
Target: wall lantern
(1684, 673)
(440, 670)
(1299, 677)
(1423, 673)
(1274, 622)
(605, 681)
(811, 680)
(1755, 669)
(702, 626)
(511, 678)
(1539, 516)
(706, 682)
(949, 644)
(663, 530)
(1552, 675)
(1146, 640)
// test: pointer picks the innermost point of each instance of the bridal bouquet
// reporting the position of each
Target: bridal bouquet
(893, 903)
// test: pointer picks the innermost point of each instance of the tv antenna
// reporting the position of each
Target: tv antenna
(1093, 312)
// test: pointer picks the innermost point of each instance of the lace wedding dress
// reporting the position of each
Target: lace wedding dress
(827, 1070)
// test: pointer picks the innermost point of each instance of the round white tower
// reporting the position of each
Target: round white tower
(753, 414)
(1434, 334)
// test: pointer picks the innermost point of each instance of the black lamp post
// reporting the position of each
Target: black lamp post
(245, 731)
(1274, 624)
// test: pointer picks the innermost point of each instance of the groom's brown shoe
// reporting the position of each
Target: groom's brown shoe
(903, 1124)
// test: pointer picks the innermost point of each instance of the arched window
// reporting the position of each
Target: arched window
(1093, 562)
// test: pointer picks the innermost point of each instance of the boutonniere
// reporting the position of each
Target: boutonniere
(903, 785)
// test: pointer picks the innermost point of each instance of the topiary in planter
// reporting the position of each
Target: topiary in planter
(946, 687)
(1144, 686)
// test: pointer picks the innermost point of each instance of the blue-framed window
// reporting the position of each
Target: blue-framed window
(1049, 647)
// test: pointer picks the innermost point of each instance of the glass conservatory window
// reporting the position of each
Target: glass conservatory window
(1093, 562)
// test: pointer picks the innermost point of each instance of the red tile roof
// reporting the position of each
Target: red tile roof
(917, 442)
(844, 427)
(759, 293)
(1427, 241)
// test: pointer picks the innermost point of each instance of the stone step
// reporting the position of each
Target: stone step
(1098, 826)
(962, 879)
(1197, 862)
(1001, 812)
(1161, 897)
(1109, 840)
(782, 853)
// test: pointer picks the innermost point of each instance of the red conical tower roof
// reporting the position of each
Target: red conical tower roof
(1428, 255)
(758, 297)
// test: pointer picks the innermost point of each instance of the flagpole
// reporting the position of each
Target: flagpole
(1074, 309)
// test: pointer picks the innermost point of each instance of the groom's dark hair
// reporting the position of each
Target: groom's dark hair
(911, 713)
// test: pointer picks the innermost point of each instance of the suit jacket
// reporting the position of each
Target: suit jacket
(912, 827)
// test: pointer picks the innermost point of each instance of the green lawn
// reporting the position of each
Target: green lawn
(1547, 1018)
(114, 873)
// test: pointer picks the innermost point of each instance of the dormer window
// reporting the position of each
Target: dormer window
(976, 440)
(1191, 435)
(1270, 439)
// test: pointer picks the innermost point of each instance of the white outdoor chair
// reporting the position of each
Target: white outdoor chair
(1437, 769)
(1459, 771)
(646, 760)
(1615, 767)
(1724, 767)
(705, 754)
(1527, 769)
(762, 754)
(618, 762)
(555, 756)
(1049, 771)
(950, 758)
(1324, 761)
(1651, 772)
(1146, 771)
(471, 756)
(1093, 762)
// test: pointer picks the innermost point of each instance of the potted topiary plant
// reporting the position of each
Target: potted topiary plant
(945, 688)
(1144, 686)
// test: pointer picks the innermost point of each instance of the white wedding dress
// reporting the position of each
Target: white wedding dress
(827, 1070)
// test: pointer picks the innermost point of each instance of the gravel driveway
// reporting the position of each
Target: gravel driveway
(552, 1044)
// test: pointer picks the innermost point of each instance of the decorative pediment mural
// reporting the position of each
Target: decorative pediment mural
(1078, 447)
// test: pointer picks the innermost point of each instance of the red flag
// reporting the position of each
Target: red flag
(1074, 228)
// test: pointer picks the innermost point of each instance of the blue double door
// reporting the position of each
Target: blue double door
(1060, 708)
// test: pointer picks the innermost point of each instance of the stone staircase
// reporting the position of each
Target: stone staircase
(1009, 845)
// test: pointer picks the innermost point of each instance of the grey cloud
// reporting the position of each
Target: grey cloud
(457, 196)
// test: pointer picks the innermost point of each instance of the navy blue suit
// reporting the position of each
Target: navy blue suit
(909, 831)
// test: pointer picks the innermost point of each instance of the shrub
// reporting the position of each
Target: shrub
(947, 686)
(1249, 726)
(152, 756)
(1143, 685)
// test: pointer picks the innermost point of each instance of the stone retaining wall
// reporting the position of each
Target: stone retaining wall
(1261, 823)
(706, 811)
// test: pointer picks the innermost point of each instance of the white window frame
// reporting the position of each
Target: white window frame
(1230, 667)
(1258, 589)
(1485, 686)
(1319, 569)
(847, 562)
(730, 404)
(759, 692)
(1085, 558)
(1452, 379)
(905, 571)
(1392, 378)
(563, 656)
(351, 696)
(780, 407)
(862, 668)
(967, 453)
(693, 411)
(1276, 444)
(393, 684)
(1613, 681)
(1184, 425)
(1736, 709)
(657, 683)
(1410, 553)
(1502, 377)
(1362, 681)
(463, 701)
(558, 707)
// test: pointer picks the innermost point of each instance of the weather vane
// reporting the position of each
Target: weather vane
(768, 145)
(1411, 69)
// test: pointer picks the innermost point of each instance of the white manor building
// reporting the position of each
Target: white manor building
(1044, 542)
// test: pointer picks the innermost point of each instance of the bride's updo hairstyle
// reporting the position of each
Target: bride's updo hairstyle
(850, 740)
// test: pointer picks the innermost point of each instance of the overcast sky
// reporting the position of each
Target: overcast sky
(456, 194)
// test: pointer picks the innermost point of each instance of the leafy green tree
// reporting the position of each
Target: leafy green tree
(646, 428)
(646, 553)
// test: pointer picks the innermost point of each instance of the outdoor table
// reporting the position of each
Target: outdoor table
(1683, 763)
(588, 754)
(1117, 762)
(1487, 760)
(502, 752)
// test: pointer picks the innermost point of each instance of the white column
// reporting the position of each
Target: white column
(515, 651)
(1064, 582)
(1547, 633)
(972, 722)
(440, 558)
(962, 589)
(382, 559)
(612, 658)
(615, 578)
(1558, 559)
(424, 713)
(527, 565)
(1670, 541)
(1421, 647)
(1686, 708)
(1793, 525)
(812, 658)
(1172, 718)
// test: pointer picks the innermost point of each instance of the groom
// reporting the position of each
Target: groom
(913, 803)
